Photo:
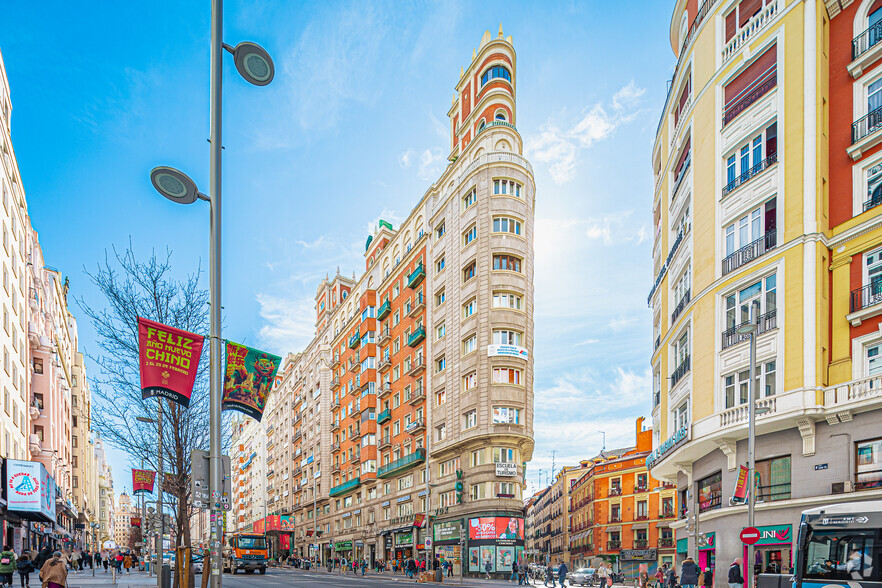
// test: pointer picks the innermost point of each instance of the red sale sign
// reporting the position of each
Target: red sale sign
(169, 359)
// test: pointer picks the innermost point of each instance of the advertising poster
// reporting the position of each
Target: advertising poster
(285, 542)
(248, 379)
(447, 531)
(504, 528)
(505, 557)
(142, 482)
(287, 523)
(169, 360)
(25, 482)
(474, 559)
(488, 554)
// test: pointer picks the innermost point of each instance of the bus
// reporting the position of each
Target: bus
(840, 545)
(246, 552)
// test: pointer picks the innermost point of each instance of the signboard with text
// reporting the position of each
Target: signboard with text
(169, 361)
(142, 482)
(498, 350)
(506, 470)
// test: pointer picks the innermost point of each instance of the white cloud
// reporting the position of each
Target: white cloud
(586, 342)
(405, 157)
(289, 325)
(559, 148)
(431, 164)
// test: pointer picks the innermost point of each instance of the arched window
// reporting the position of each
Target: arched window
(481, 125)
(500, 115)
(497, 71)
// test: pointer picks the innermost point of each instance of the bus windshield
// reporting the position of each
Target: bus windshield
(843, 555)
(252, 542)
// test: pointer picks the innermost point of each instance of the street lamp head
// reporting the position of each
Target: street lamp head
(174, 185)
(253, 63)
(745, 328)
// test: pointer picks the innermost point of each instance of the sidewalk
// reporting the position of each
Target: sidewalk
(84, 579)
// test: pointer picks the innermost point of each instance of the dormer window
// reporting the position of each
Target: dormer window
(497, 71)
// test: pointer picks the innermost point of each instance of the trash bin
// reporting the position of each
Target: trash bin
(165, 578)
(439, 575)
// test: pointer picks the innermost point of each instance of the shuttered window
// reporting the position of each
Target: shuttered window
(751, 85)
(731, 25)
(682, 159)
(746, 10)
(684, 95)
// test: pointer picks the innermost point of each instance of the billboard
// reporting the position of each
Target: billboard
(490, 528)
(287, 523)
(30, 488)
(169, 360)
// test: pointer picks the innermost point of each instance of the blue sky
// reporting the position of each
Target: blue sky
(352, 129)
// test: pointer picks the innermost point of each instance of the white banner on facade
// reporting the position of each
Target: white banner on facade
(508, 470)
(507, 351)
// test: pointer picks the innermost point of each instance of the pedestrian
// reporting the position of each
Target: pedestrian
(735, 579)
(707, 578)
(562, 573)
(127, 563)
(53, 574)
(514, 571)
(549, 575)
(660, 576)
(412, 568)
(672, 577)
(602, 575)
(449, 568)
(689, 573)
(96, 559)
(25, 566)
(7, 566)
(643, 577)
(42, 557)
(487, 567)
(522, 573)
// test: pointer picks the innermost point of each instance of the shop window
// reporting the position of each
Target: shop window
(710, 492)
(868, 472)
(773, 479)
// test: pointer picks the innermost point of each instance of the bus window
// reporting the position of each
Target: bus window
(843, 555)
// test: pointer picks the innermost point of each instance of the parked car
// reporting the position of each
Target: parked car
(582, 577)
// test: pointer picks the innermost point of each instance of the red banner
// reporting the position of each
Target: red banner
(142, 482)
(169, 360)
(258, 527)
(740, 493)
(285, 542)
(136, 521)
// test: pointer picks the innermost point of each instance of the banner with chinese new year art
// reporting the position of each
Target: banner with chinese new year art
(142, 482)
(248, 379)
(136, 521)
(169, 360)
(740, 492)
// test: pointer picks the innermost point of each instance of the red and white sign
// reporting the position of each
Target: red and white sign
(750, 535)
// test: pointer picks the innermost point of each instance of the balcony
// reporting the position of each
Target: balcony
(417, 276)
(750, 174)
(641, 517)
(680, 306)
(384, 443)
(384, 335)
(335, 469)
(385, 390)
(666, 514)
(336, 360)
(335, 404)
(356, 458)
(615, 491)
(354, 365)
(384, 310)
(419, 395)
(665, 542)
(297, 436)
(641, 543)
(750, 252)
(345, 487)
(335, 447)
(384, 416)
(356, 433)
(678, 181)
(869, 295)
(681, 371)
(863, 133)
(614, 519)
(613, 545)
(403, 464)
(762, 86)
(416, 337)
(417, 366)
(354, 341)
(767, 322)
(750, 29)
(384, 364)
(415, 427)
(335, 426)
(416, 305)
(335, 383)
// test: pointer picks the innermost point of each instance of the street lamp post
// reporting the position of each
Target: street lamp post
(159, 506)
(255, 65)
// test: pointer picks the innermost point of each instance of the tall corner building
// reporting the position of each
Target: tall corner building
(767, 174)
(420, 375)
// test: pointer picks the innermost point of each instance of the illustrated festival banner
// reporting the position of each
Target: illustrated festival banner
(248, 379)
(169, 360)
(142, 482)
(740, 493)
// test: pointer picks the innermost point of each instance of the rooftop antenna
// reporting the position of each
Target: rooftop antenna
(553, 463)
(604, 441)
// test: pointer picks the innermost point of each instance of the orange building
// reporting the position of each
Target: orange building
(620, 514)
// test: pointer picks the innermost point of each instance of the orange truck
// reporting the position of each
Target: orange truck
(246, 552)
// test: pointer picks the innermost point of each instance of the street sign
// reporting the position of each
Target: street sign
(750, 535)
(199, 461)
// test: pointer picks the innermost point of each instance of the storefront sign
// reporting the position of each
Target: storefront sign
(169, 361)
(707, 541)
(775, 535)
(447, 531)
(639, 554)
(506, 470)
(402, 539)
(342, 545)
(680, 437)
(507, 351)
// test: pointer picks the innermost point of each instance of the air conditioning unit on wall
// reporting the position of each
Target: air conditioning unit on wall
(841, 487)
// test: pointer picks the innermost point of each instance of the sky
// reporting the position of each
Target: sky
(352, 129)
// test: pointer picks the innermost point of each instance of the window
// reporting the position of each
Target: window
(506, 187)
(477, 491)
(470, 419)
(469, 199)
(439, 231)
(38, 365)
(681, 416)
(470, 345)
(710, 492)
(441, 432)
(468, 309)
(468, 271)
(440, 364)
(773, 479)
(751, 158)
(855, 552)
(507, 337)
(440, 331)
(506, 262)
(761, 293)
(440, 297)
(759, 78)
(504, 455)
(503, 375)
(439, 265)
(868, 473)
(681, 349)
(502, 224)
(470, 381)
(507, 300)
(497, 71)
(470, 235)
(750, 229)
(506, 415)
(440, 397)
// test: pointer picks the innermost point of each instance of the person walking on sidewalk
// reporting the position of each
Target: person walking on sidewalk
(549, 575)
(562, 573)
(735, 579)
(7, 566)
(54, 572)
(522, 574)
(25, 567)
(689, 573)
(487, 567)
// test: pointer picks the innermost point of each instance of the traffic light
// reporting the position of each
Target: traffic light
(459, 486)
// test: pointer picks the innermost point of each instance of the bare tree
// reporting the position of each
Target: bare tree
(134, 288)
